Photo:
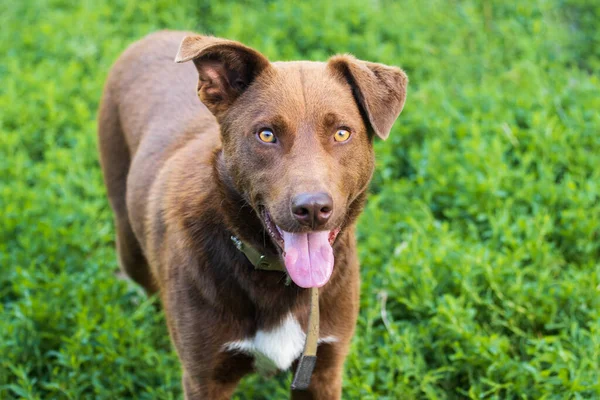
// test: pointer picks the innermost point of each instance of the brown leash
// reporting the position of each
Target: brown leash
(307, 362)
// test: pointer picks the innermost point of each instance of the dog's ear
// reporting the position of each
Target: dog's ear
(379, 90)
(225, 67)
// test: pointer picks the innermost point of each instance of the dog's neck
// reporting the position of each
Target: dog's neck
(240, 217)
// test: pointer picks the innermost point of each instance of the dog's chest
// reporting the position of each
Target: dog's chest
(277, 348)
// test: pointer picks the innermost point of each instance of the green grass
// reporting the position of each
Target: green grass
(480, 245)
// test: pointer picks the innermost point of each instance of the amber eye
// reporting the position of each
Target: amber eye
(341, 135)
(266, 136)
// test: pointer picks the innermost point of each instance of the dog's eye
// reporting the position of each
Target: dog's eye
(341, 135)
(267, 136)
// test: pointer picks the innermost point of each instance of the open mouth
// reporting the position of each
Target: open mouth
(308, 256)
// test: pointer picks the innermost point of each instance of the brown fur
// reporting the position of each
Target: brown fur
(183, 176)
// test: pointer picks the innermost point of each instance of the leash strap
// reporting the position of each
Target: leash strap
(307, 362)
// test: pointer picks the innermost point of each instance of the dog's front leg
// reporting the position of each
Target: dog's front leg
(205, 388)
(326, 381)
(208, 372)
(199, 332)
(201, 389)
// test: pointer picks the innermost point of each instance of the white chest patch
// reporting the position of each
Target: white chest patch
(276, 348)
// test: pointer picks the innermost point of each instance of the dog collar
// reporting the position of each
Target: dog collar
(259, 260)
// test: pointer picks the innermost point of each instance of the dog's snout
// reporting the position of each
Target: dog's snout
(312, 209)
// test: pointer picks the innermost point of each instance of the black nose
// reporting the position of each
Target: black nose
(312, 209)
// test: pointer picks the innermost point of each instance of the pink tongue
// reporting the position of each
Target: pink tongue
(308, 258)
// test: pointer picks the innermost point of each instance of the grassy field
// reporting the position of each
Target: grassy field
(480, 245)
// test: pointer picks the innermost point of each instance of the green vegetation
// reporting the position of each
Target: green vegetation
(480, 245)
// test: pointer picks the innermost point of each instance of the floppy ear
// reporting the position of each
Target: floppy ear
(225, 67)
(379, 90)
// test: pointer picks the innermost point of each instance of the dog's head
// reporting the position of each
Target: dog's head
(297, 140)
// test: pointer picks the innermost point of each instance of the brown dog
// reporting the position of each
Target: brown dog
(276, 158)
